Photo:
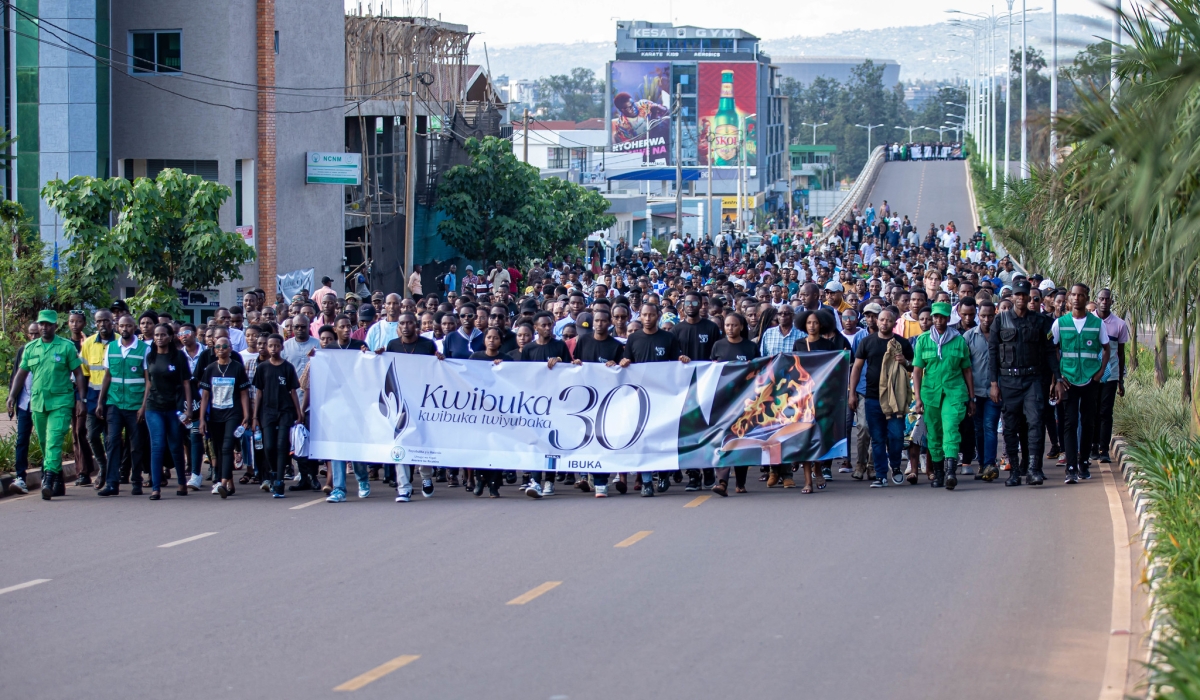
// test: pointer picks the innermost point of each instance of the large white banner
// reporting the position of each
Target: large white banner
(521, 415)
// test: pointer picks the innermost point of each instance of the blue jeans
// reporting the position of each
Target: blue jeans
(887, 438)
(337, 473)
(987, 418)
(24, 430)
(165, 431)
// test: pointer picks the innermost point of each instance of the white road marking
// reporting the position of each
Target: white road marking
(27, 584)
(306, 504)
(185, 540)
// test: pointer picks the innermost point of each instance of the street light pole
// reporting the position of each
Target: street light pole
(1024, 97)
(869, 128)
(1113, 82)
(814, 128)
(1007, 96)
(1053, 82)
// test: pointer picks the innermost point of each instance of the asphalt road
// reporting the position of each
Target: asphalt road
(927, 191)
(903, 592)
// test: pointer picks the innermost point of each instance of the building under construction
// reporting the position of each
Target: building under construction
(403, 71)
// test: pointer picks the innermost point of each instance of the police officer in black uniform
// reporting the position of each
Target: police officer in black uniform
(1022, 355)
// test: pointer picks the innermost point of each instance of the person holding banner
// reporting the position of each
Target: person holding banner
(697, 336)
(599, 346)
(409, 342)
(943, 384)
(734, 347)
(649, 344)
(493, 339)
(276, 409)
(544, 348)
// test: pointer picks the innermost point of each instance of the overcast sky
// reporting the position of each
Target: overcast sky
(518, 22)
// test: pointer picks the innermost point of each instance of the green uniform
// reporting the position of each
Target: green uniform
(943, 391)
(52, 398)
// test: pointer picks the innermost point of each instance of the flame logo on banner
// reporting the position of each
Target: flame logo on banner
(782, 406)
(391, 402)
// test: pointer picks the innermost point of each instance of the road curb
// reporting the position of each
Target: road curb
(1159, 625)
(33, 477)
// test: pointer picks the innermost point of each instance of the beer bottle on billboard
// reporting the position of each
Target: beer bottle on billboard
(725, 124)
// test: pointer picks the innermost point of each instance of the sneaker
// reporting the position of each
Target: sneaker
(647, 491)
(1055, 451)
(1085, 472)
(710, 480)
(570, 480)
(221, 491)
(216, 490)
(878, 483)
(602, 491)
(693, 484)
(1062, 462)
(265, 486)
(548, 488)
(427, 488)
(194, 482)
(510, 477)
(441, 476)
(1071, 476)
(533, 490)
(336, 496)
(401, 496)
(844, 470)
(664, 483)
(364, 489)
(1105, 458)
(18, 486)
(827, 472)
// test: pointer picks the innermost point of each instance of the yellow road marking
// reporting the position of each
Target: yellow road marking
(633, 539)
(378, 672)
(696, 501)
(526, 597)
(306, 504)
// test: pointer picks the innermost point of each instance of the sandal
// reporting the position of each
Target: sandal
(740, 489)
(806, 489)
(245, 478)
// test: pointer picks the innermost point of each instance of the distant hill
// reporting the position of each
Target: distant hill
(922, 51)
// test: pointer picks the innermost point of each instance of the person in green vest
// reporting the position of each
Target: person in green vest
(58, 388)
(122, 404)
(1083, 353)
(944, 386)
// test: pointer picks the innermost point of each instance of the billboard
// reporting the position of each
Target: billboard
(640, 113)
(727, 102)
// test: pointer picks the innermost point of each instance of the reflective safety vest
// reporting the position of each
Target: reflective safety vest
(1081, 350)
(92, 353)
(128, 375)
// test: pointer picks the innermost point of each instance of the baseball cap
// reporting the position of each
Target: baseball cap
(1046, 285)
(873, 308)
(583, 322)
(47, 316)
(833, 286)
(366, 312)
(940, 308)
(1020, 287)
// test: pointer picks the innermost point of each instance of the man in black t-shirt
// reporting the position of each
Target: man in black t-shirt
(498, 317)
(544, 348)
(409, 342)
(599, 346)
(887, 431)
(696, 335)
(652, 345)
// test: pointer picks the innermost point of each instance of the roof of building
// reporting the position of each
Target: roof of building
(854, 60)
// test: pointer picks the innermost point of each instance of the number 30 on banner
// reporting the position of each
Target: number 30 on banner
(597, 427)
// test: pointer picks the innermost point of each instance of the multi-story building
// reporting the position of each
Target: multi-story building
(730, 115)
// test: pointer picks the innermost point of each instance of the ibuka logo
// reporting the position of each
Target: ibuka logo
(392, 406)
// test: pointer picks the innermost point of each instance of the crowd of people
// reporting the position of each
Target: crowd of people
(923, 151)
(950, 348)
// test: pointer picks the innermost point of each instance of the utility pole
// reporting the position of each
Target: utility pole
(991, 25)
(870, 128)
(677, 111)
(525, 137)
(738, 205)
(410, 179)
(708, 215)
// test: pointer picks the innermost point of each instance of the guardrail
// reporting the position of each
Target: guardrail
(858, 191)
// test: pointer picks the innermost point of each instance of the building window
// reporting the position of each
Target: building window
(156, 52)
(557, 158)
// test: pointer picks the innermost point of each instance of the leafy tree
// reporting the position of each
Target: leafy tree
(573, 97)
(499, 208)
(166, 234)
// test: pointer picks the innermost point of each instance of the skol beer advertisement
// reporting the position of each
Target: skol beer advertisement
(641, 112)
(727, 102)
